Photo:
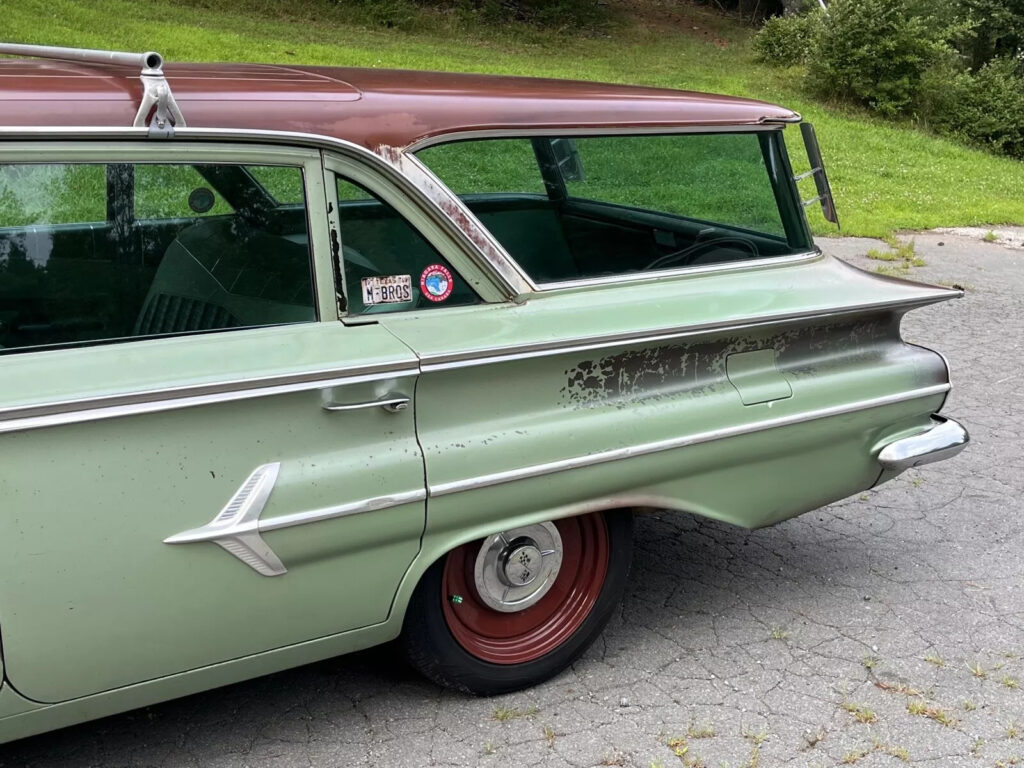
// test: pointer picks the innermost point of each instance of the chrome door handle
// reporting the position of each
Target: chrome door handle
(392, 402)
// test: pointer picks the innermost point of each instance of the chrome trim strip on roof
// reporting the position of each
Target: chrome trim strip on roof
(61, 412)
(596, 130)
(602, 457)
(444, 362)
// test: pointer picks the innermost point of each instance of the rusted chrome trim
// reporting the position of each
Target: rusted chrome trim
(644, 449)
(61, 412)
(429, 364)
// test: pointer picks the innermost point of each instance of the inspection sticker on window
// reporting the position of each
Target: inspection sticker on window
(387, 289)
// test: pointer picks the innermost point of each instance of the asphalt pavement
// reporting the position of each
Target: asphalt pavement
(884, 630)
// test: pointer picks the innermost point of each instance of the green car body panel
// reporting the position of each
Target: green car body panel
(746, 393)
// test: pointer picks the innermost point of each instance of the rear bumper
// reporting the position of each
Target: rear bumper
(943, 440)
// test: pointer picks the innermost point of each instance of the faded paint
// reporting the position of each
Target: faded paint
(671, 369)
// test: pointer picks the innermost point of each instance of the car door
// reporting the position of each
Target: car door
(198, 460)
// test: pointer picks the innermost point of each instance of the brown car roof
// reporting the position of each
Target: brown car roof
(372, 107)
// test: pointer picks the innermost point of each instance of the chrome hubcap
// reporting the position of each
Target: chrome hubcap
(514, 569)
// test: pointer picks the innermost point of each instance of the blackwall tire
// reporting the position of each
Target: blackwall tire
(452, 635)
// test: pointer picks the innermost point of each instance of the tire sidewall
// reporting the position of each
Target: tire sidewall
(432, 648)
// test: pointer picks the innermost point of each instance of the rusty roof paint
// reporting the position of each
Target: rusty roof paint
(371, 107)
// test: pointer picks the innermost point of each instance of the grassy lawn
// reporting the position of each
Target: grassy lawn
(886, 177)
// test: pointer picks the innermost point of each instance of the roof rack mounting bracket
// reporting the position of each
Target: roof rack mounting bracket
(158, 99)
(156, 93)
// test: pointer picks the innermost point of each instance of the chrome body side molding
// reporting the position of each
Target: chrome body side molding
(526, 351)
(21, 418)
(237, 527)
(631, 451)
(943, 440)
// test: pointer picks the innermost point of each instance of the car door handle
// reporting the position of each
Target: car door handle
(392, 402)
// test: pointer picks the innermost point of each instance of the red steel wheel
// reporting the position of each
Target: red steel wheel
(512, 637)
(515, 608)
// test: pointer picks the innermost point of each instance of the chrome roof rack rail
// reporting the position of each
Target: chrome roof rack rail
(156, 94)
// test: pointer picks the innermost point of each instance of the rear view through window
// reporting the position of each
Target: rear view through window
(575, 208)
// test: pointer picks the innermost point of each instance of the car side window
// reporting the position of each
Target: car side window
(389, 265)
(621, 205)
(94, 253)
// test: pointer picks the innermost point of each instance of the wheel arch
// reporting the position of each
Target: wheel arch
(437, 544)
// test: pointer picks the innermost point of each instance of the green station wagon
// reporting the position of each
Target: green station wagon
(298, 360)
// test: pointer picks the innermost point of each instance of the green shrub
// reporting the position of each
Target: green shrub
(985, 108)
(788, 40)
(875, 52)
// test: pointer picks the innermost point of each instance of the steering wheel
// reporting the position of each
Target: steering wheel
(696, 249)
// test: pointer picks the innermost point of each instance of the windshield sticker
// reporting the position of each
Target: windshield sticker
(387, 289)
(436, 282)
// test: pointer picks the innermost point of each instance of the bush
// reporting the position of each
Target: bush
(985, 108)
(788, 40)
(875, 52)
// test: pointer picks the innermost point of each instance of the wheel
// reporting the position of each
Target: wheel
(518, 607)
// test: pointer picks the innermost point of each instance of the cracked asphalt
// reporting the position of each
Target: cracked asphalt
(886, 629)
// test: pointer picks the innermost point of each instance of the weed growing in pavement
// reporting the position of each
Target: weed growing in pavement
(924, 709)
(860, 713)
(938, 661)
(977, 670)
(990, 237)
(1010, 682)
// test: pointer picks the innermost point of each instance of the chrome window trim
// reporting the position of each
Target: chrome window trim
(445, 362)
(632, 277)
(36, 416)
(732, 266)
(437, 203)
(644, 449)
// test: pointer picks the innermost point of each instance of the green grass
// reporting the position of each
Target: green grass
(886, 177)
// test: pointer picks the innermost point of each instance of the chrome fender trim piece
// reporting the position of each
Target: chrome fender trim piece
(237, 527)
(630, 451)
(943, 440)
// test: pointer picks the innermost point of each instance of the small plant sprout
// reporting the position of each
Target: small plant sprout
(1010, 682)
(860, 713)
(549, 735)
(869, 662)
(990, 237)
(851, 757)
(969, 706)
(700, 731)
(1013, 730)
(778, 633)
(977, 670)
(756, 738)
(922, 708)
(938, 661)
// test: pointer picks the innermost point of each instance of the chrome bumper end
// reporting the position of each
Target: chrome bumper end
(945, 439)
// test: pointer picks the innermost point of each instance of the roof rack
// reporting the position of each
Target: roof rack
(157, 99)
